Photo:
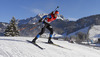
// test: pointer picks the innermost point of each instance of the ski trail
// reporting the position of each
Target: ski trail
(19, 47)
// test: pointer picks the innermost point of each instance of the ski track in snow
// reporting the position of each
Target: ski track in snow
(19, 47)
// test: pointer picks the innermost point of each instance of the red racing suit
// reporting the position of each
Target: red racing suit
(48, 18)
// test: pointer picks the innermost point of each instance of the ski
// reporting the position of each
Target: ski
(58, 45)
(35, 44)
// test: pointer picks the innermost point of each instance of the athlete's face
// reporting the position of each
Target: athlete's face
(55, 15)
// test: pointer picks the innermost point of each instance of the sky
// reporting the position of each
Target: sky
(70, 9)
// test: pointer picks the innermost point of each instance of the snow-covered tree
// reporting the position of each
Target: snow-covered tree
(12, 29)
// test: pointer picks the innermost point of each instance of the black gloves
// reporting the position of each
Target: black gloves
(52, 12)
(40, 20)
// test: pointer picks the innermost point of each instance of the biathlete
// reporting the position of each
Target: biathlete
(47, 19)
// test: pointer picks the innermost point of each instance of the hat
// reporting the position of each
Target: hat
(56, 12)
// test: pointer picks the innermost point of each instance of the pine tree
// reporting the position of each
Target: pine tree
(12, 29)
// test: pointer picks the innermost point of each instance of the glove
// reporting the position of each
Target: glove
(40, 20)
(52, 12)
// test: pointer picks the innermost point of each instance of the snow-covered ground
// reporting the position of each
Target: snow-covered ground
(19, 47)
(84, 30)
(94, 32)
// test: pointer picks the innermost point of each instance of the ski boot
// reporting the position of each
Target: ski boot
(33, 41)
(50, 42)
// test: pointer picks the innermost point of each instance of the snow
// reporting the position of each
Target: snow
(94, 32)
(84, 30)
(60, 18)
(4, 24)
(54, 35)
(19, 47)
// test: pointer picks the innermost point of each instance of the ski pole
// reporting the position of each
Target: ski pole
(26, 27)
(22, 28)
(34, 27)
(56, 8)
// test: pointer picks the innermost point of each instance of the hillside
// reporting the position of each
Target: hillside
(19, 47)
(61, 25)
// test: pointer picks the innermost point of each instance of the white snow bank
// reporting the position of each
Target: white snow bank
(84, 30)
(94, 32)
(19, 47)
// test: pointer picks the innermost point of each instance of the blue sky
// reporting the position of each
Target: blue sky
(70, 9)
